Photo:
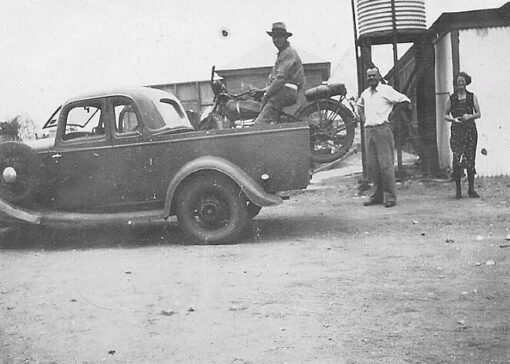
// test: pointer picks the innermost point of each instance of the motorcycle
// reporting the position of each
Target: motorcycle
(332, 124)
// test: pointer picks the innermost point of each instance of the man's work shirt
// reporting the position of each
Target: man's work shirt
(378, 103)
(288, 65)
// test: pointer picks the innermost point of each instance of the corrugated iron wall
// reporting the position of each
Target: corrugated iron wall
(484, 54)
(443, 78)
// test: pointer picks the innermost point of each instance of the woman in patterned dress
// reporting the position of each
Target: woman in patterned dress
(461, 111)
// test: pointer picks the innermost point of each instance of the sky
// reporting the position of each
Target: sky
(54, 49)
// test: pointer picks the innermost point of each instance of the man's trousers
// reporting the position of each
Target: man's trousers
(380, 152)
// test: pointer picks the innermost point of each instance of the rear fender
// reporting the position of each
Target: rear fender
(252, 189)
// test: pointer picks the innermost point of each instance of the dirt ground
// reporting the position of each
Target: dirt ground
(319, 279)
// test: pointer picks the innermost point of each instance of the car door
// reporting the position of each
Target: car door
(132, 160)
(81, 159)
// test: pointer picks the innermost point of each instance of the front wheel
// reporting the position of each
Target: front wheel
(211, 209)
(332, 129)
(215, 121)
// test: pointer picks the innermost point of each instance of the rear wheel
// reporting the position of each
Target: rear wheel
(332, 129)
(211, 209)
(20, 172)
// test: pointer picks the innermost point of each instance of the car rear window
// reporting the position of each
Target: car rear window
(172, 113)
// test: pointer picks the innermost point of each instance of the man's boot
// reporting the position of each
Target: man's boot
(471, 181)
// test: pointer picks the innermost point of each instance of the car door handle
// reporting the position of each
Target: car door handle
(56, 155)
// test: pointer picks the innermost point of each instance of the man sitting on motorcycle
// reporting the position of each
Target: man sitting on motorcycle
(286, 78)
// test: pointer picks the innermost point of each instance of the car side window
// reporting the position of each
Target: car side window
(126, 117)
(84, 121)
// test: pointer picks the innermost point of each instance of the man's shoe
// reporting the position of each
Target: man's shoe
(389, 203)
(372, 202)
(473, 194)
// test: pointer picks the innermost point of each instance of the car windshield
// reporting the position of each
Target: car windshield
(53, 120)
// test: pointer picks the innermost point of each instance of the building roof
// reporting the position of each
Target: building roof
(472, 19)
(461, 20)
(264, 56)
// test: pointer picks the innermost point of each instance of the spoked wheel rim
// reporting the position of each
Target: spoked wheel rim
(323, 143)
(331, 130)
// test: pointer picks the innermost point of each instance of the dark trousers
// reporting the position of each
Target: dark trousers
(380, 152)
(271, 111)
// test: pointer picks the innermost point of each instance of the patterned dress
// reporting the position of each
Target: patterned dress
(464, 135)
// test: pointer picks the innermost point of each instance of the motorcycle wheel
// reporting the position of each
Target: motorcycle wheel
(332, 129)
(214, 121)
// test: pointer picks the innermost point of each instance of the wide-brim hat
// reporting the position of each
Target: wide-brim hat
(279, 28)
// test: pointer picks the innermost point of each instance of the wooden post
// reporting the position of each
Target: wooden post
(400, 170)
(361, 67)
(366, 61)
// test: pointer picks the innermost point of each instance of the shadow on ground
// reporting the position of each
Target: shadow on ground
(51, 238)
(262, 229)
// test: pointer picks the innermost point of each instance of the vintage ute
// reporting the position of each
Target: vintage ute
(131, 155)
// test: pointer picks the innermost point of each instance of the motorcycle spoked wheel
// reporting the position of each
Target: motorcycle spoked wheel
(215, 121)
(332, 130)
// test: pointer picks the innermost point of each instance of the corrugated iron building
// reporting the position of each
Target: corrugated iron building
(474, 42)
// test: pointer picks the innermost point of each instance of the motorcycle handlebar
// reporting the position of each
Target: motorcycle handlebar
(212, 73)
(236, 96)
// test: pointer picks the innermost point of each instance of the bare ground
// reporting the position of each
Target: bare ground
(320, 279)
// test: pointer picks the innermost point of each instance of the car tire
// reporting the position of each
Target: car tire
(27, 165)
(211, 209)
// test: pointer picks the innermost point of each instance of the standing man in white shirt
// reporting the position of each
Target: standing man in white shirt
(374, 106)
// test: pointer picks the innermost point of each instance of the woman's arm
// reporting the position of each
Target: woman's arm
(476, 111)
(447, 112)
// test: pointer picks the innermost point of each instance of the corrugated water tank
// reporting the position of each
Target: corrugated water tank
(375, 16)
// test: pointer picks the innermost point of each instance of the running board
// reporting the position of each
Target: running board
(14, 214)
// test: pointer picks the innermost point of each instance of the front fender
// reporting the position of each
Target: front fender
(249, 186)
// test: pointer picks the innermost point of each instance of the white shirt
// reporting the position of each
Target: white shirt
(378, 103)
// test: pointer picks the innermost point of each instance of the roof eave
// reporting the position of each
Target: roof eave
(494, 17)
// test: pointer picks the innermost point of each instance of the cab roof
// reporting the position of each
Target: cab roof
(136, 93)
